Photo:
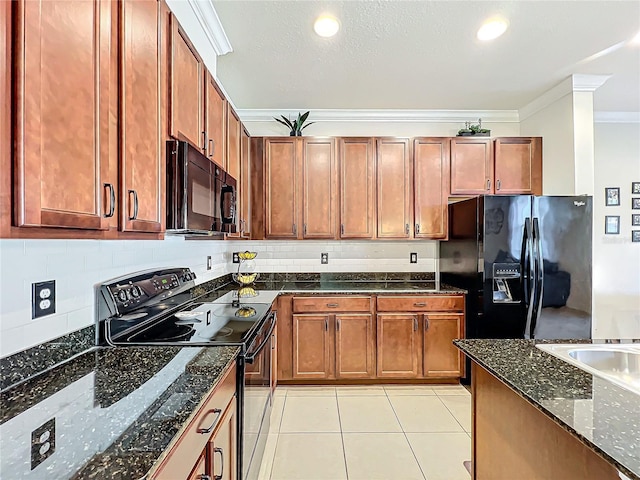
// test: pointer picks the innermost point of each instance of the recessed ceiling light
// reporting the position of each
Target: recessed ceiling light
(326, 26)
(492, 29)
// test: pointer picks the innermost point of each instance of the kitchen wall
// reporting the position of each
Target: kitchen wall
(76, 266)
(616, 261)
(344, 256)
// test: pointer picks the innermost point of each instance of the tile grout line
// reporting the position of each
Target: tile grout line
(405, 436)
(275, 450)
(451, 413)
(344, 450)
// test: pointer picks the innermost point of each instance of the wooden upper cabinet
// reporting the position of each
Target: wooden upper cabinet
(142, 115)
(215, 122)
(430, 177)
(357, 176)
(186, 105)
(398, 345)
(471, 166)
(234, 134)
(311, 347)
(518, 165)
(355, 346)
(245, 184)
(441, 357)
(319, 188)
(62, 86)
(281, 187)
(393, 170)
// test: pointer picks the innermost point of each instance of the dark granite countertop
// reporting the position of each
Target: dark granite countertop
(359, 287)
(602, 415)
(115, 410)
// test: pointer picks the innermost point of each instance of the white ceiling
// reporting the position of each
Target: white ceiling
(424, 54)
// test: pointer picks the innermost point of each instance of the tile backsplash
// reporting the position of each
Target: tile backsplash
(78, 265)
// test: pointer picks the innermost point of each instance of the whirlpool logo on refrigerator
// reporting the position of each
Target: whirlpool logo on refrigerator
(579, 204)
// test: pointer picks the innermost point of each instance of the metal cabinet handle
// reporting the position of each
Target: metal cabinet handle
(417, 228)
(304, 229)
(219, 450)
(498, 184)
(426, 323)
(295, 229)
(204, 141)
(337, 324)
(135, 204)
(212, 147)
(218, 412)
(488, 184)
(342, 229)
(419, 304)
(333, 305)
(406, 228)
(326, 324)
(204, 477)
(415, 324)
(112, 200)
(273, 342)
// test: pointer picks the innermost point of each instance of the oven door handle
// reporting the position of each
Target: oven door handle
(250, 358)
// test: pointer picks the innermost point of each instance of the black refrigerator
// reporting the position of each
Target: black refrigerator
(526, 263)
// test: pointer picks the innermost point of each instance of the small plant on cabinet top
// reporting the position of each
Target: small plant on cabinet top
(296, 126)
(470, 130)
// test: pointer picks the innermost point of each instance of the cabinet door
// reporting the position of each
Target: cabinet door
(281, 180)
(441, 357)
(187, 91)
(234, 132)
(355, 346)
(518, 165)
(142, 141)
(393, 170)
(398, 345)
(471, 166)
(215, 122)
(223, 446)
(357, 200)
(199, 472)
(431, 168)
(311, 347)
(63, 54)
(245, 184)
(320, 188)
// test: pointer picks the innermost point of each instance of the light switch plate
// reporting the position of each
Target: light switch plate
(208, 262)
(43, 298)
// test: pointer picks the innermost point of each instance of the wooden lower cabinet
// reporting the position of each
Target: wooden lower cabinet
(398, 345)
(440, 357)
(222, 448)
(355, 346)
(311, 347)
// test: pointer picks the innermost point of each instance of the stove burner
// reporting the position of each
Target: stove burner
(224, 332)
(245, 312)
(160, 333)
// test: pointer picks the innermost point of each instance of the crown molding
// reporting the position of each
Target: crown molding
(398, 116)
(573, 83)
(210, 23)
(616, 117)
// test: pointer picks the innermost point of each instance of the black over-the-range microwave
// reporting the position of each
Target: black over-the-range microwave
(201, 197)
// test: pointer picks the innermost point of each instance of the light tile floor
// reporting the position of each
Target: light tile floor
(391, 432)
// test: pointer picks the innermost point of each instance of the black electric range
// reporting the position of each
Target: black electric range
(157, 307)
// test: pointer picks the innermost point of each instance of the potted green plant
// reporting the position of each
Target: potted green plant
(470, 130)
(296, 126)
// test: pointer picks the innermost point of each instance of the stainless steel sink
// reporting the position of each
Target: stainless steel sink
(619, 364)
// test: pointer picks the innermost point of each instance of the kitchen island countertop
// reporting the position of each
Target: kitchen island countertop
(602, 415)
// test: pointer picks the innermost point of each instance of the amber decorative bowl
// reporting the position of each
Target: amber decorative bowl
(247, 255)
(245, 278)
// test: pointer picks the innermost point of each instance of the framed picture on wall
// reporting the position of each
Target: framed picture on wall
(635, 188)
(612, 224)
(635, 235)
(612, 196)
(635, 203)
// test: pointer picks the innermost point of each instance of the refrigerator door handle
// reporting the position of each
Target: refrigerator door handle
(532, 273)
(539, 278)
(525, 262)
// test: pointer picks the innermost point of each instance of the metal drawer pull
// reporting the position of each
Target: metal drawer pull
(219, 450)
(420, 304)
(112, 200)
(218, 412)
(426, 323)
(333, 305)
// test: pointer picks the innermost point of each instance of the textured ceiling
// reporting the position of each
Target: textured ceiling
(424, 54)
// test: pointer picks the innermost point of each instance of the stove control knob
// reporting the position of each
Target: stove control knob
(122, 296)
(135, 292)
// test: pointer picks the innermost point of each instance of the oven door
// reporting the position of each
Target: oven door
(256, 399)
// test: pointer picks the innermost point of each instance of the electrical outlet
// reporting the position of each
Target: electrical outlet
(43, 442)
(324, 258)
(208, 262)
(413, 257)
(43, 298)
(236, 257)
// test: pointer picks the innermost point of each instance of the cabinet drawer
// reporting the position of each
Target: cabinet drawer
(396, 303)
(330, 304)
(185, 452)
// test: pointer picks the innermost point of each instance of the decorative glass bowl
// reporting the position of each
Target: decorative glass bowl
(247, 255)
(245, 278)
